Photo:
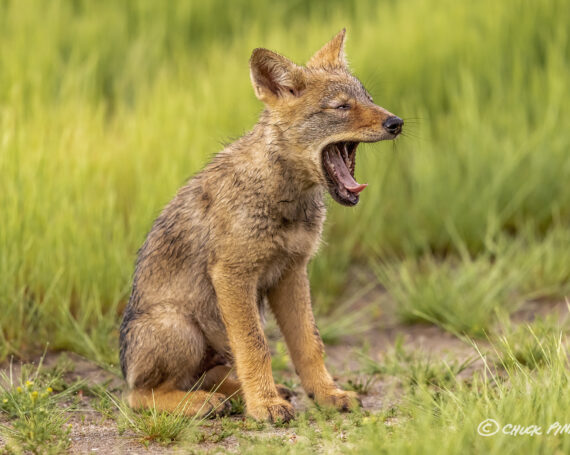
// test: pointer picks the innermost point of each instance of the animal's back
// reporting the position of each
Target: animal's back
(170, 283)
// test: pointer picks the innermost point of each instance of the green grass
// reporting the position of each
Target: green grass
(519, 377)
(164, 428)
(443, 420)
(414, 368)
(32, 405)
(437, 410)
(118, 104)
(469, 294)
(106, 108)
(460, 296)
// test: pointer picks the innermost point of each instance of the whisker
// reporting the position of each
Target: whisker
(410, 127)
(411, 136)
(409, 131)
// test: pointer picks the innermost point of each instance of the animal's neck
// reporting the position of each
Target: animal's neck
(289, 161)
(273, 167)
(270, 153)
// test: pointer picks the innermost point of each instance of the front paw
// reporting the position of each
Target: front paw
(274, 410)
(339, 399)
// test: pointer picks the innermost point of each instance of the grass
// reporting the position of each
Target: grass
(414, 368)
(346, 319)
(32, 406)
(519, 377)
(107, 108)
(439, 410)
(469, 294)
(152, 425)
(523, 344)
(447, 419)
(128, 106)
(460, 296)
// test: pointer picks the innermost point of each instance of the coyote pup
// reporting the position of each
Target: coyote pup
(238, 236)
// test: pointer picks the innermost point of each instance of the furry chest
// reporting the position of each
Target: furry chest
(298, 226)
(290, 246)
(298, 240)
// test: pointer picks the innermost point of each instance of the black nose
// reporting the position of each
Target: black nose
(393, 125)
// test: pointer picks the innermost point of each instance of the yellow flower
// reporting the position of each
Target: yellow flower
(29, 384)
(5, 400)
(371, 419)
(19, 389)
(49, 390)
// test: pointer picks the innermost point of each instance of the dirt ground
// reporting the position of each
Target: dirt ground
(93, 433)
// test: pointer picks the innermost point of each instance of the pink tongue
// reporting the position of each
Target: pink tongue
(343, 174)
(358, 188)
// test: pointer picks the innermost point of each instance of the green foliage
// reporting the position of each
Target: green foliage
(523, 345)
(360, 384)
(465, 295)
(152, 425)
(36, 420)
(446, 420)
(106, 108)
(414, 368)
(519, 377)
(461, 296)
(345, 320)
(280, 360)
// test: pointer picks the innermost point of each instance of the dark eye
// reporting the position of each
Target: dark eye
(343, 107)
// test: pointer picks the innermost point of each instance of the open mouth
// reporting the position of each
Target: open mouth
(339, 159)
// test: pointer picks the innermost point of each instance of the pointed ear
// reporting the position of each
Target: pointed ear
(273, 76)
(331, 54)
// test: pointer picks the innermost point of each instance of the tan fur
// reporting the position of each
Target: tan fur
(199, 403)
(240, 234)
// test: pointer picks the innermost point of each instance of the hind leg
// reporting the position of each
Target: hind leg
(220, 380)
(162, 353)
(198, 403)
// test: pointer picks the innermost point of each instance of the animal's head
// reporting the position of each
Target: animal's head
(324, 113)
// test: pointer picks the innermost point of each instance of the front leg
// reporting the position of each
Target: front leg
(237, 300)
(290, 301)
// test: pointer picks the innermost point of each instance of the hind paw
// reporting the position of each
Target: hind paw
(217, 405)
(285, 392)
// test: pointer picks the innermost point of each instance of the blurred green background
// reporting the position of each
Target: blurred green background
(106, 108)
